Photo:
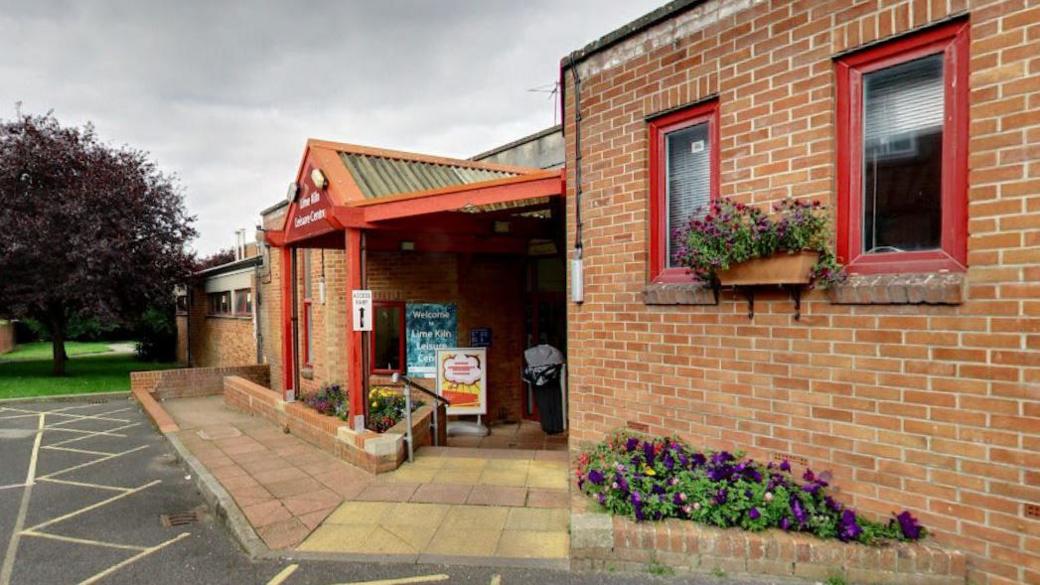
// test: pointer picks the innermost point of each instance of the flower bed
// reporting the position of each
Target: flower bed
(662, 478)
(729, 233)
(386, 407)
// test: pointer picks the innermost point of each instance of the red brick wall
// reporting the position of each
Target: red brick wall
(929, 407)
(193, 382)
(6, 336)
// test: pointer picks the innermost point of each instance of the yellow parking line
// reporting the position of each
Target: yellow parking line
(85, 484)
(92, 506)
(126, 562)
(283, 575)
(94, 462)
(402, 580)
(73, 450)
(81, 540)
(7, 568)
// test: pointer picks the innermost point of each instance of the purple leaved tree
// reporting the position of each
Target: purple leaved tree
(86, 229)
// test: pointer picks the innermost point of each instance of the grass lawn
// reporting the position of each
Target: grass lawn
(85, 372)
(41, 350)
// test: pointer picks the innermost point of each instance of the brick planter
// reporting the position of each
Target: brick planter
(371, 451)
(603, 542)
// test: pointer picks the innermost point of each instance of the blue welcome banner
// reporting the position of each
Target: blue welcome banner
(428, 327)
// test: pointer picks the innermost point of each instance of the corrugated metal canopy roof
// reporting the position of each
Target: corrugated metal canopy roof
(380, 176)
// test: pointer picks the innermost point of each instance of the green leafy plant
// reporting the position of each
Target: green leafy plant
(660, 570)
(835, 580)
(657, 478)
(729, 232)
(330, 400)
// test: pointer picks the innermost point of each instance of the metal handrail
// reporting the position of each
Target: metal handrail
(408, 385)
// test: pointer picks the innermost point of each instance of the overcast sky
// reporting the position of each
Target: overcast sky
(225, 94)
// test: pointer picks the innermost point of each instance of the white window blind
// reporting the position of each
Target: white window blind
(689, 177)
(903, 98)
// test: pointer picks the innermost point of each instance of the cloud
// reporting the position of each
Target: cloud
(225, 94)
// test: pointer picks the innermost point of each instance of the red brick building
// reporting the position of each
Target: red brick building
(218, 321)
(918, 381)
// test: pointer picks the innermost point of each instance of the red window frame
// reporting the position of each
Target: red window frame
(952, 41)
(659, 129)
(401, 340)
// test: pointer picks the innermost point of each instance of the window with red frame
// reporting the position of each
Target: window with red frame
(388, 338)
(684, 179)
(902, 153)
(308, 312)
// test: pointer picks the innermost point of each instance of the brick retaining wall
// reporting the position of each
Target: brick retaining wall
(371, 451)
(603, 542)
(193, 382)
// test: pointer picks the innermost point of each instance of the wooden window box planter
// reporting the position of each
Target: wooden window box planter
(791, 271)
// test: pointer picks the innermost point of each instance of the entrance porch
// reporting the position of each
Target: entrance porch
(452, 253)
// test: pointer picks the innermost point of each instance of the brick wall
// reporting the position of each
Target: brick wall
(215, 341)
(487, 289)
(193, 382)
(6, 336)
(935, 408)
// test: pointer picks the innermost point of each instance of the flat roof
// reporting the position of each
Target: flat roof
(621, 33)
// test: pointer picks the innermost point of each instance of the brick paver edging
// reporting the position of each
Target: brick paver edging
(603, 542)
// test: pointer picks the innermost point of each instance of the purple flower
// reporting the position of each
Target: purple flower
(602, 499)
(596, 476)
(799, 510)
(753, 514)
(848, 527)
(785, 523)
(785, 465)
(909, 526)
(720, 497)
(698, 459)
(648, 452)
(631, 444)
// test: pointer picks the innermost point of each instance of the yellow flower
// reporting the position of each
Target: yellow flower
(649, 471)
(374, 404)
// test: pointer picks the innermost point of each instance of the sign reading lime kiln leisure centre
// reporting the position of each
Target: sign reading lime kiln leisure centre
(428, 327)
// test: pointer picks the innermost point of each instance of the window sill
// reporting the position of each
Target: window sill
(936, 288)
(686, 293)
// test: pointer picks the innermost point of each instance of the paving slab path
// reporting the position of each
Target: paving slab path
(450, 503)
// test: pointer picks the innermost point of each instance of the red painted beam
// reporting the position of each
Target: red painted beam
(354, 373)
(288, 363)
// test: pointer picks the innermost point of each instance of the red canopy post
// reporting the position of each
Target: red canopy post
(354, 282)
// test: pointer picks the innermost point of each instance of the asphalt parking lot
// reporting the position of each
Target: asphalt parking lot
(83, 486)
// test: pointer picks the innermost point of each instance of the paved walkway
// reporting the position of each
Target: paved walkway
(284, 486)
(462, 502)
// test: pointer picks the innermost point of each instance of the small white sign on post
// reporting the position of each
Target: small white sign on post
(362, 310)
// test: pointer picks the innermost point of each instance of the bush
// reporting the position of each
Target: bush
(730, 232)
(330, 400)
(156, 334)
(386, 408)
(664, 478)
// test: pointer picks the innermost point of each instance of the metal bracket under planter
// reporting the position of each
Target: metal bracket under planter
(794, 290)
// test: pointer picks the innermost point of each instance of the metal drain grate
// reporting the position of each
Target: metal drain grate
(179, 518)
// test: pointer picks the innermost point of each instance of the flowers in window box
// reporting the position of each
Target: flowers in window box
(656, 478)
(729, 233)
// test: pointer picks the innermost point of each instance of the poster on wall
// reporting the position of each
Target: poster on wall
(428, 327)
(462, 379)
